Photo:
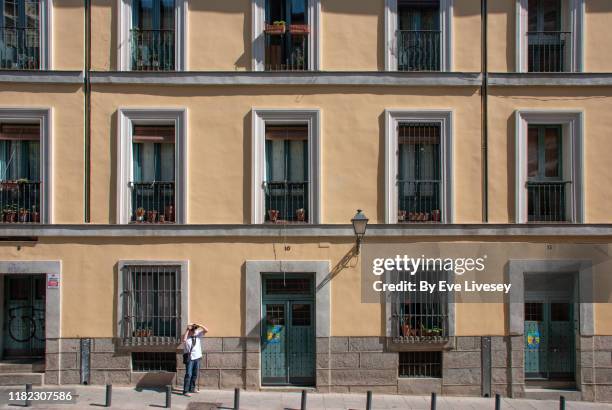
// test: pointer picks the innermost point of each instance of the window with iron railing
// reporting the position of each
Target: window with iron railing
(20, 186)
(547, 190)
(419, 35)
(419, 317)
(286, 187)
(152, 37)
(153, 185)
(154, 362)
(286, 35)
(151, 305)
(549, 48)
(419, 181)
(420, 364)
(20, 34)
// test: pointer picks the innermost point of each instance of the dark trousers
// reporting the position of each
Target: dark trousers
(191, 375)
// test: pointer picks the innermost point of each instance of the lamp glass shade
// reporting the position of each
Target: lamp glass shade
(360, 223)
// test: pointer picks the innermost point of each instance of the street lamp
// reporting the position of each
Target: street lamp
(360, 224)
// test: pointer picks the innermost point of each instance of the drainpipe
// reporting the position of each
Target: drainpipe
(484, 107)
(87, 119)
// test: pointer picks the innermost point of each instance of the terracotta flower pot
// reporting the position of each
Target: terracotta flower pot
(169, 213)
(273, 215)
(24, 216)
(401, 216)
(302, 29)
(275, 29)
(10, 216)
(300, 214)
(151, 216)
(435, 215)
(35, 216)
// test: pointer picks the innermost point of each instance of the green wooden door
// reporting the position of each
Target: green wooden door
(549, 341)
(288, 332)
(24, 316)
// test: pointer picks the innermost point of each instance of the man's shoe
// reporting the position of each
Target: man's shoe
(187, 394)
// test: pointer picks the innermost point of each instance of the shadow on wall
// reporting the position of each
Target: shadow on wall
(113, 43)
(239, 7)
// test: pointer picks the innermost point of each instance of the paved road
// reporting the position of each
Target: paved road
(92, 397)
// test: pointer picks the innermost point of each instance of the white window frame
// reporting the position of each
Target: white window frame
(575, 23)
(572, 123)
(42, 117)
(393, 117)
(258, 39)
(312, 117)
(446, 41)
(124, 25)
(161, 116)
(46, 30)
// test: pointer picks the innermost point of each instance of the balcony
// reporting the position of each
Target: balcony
(153, 202)
(418, 50)
(419, 201)
(549, 51)
(20, 201)
(286, 50)
(286, 202)
(546, 201)
(19, 48)
(152, 50)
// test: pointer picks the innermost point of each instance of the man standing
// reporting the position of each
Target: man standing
(192, 355)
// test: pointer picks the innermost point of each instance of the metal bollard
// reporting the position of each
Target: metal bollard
(433, 401)
(28, 402)
(168, 396)
(109, 395)
(236, 399)
(369, 400)
(303, 403)
(561, 403)
(497, 402)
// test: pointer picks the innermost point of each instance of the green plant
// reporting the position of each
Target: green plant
(279, 23)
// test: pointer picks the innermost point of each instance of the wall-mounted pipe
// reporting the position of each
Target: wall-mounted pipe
(87, 119)
(484, 106)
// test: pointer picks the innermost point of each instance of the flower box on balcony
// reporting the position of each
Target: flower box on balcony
(277, 28)
(9, 185)
(299, 29)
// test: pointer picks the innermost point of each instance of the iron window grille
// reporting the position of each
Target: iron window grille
(420, 317)
(419, 35)
(151, 303)
(154, 362)
(420, 364)
(419, 182)
(20, 35)
(549, 47)
(152, 38)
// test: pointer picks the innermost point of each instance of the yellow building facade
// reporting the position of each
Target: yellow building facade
(164, 162)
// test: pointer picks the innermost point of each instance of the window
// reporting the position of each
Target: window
(420, 316)
(154, 362)
(545, 185)
(549, 167)
(286, 187)
(20, 40)
(286, 162)
(420, 364)
(152, 35)
(534, 311)
(419, 180)
(153, 153)
(549, 36)
(152, 311)
(152, 166)
(418, 35)
(285, 35)
(418, 157)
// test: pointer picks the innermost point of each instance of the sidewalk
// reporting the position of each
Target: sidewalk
(92, 397)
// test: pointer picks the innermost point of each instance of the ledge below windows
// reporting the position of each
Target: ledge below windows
(550, 79)
(12, 233)
(41, 77)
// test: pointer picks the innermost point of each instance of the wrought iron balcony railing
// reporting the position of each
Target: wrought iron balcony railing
(19, 48)
(20, 201)
(152, 50)
(418, 50)
(547, 201)
(153, 202)
(286, 52)
(419, 201)
(549, 51)
(286, 202)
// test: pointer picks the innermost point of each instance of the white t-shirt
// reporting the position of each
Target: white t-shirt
(196, 352)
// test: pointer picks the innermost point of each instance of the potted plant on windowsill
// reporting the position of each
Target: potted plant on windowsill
(24, 215)
(151, 216)
(35, 215)
(273, 215)
(277, 28)
(169, 213)
(435, 215)
(9, 214)
(300, 214)
(401, 216)
(299, 29)
(9, 185)
(140, 212)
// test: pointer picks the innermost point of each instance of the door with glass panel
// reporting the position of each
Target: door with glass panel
(286, 184)
(152, 35)
(286, 34)
(548, 46)
(288, 331)
(418, 37)
(20, 34)
(153, 185)
(547, 190)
